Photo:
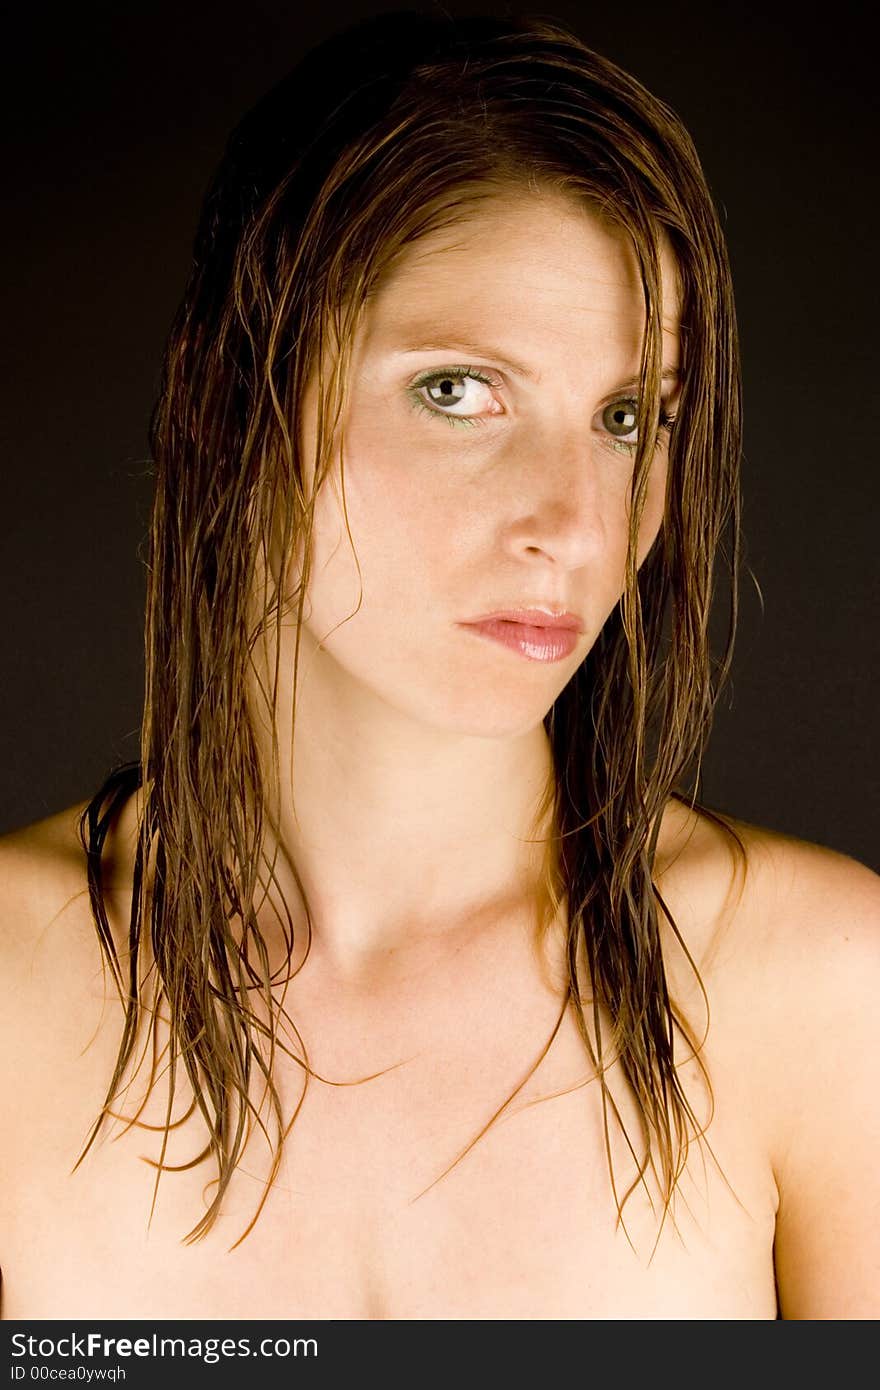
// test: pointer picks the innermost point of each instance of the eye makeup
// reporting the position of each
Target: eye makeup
(463, 372)
(665, 421)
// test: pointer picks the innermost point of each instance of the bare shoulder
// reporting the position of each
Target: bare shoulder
(754, 895)
(54, 984)
(60, 1017)
(786, 934)
(790, 925)
(43, 871)
(42, 876)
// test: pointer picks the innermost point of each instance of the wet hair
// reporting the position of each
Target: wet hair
(392, 129)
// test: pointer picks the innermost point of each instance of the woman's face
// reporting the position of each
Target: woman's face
(488, 451)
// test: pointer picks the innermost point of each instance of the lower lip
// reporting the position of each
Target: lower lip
(536, 643)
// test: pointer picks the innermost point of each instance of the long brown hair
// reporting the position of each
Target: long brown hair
(382, 134)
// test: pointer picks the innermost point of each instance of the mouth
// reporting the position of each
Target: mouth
(548, 617)
(544, 637)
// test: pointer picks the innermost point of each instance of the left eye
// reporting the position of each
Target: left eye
(620, 418)
(440, 393)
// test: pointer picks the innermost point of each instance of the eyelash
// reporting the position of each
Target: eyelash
(665, 422)
(428, 378)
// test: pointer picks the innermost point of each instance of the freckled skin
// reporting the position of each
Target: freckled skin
(409, 728)
(528, 505)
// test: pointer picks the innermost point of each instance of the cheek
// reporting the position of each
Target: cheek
(655, 504)
(378, 551)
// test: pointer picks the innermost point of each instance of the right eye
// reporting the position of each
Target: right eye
(438, 392)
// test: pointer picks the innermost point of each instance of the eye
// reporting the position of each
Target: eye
(620, 419)
(454, 394)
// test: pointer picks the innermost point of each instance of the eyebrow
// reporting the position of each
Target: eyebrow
(459, 344)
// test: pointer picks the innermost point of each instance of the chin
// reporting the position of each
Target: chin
(494, 718)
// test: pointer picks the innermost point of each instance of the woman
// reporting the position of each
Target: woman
(429, 989)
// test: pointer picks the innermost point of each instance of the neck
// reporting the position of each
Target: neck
(404, 838)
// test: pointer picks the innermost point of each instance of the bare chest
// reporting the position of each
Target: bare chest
(389, 1202)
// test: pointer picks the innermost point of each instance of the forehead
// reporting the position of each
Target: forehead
(536, 264)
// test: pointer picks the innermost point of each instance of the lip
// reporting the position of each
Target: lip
(544, 637)
(532, 617)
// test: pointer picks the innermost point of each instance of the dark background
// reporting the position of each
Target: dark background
(116, 117)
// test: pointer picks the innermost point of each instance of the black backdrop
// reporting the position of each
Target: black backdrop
(115, 118)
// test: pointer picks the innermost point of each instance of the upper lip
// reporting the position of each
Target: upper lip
(544, 616)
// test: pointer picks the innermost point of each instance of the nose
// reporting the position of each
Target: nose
(557, 503)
